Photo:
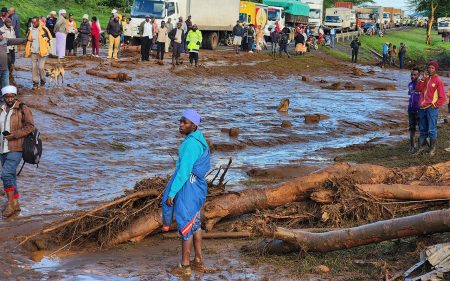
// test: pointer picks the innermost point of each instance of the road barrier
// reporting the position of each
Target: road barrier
(347, 36)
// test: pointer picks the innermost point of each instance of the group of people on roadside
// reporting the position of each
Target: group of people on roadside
(183, 37)
(390, 54)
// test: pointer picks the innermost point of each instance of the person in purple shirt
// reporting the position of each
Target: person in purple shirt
(413, 109)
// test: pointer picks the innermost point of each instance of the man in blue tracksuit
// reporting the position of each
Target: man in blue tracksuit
(186, 192)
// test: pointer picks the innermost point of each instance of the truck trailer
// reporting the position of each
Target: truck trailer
(363, 16)
(253, 13)
(295, 11)
(214, 18)
(342, 19)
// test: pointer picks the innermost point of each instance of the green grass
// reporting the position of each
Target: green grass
(396, 155)
(30, 8)
(418, 53)
(414, 38)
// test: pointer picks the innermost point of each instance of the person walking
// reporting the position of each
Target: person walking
(4, 43)
(402, 55)
(114, 29)
(71, 27)
(194, 41)
(176, 36)
(355, 44)
(238, 32)
(185, 29)
(16, 122)
(189, 23)
(84, 32)
(432, 96)
(15, 21)
(413, 109)
(61, 34)
(161, 41)
(95, 37)
(332, 37)
(274, 38)
(146, 33)
(38, 48)
(284, 41)
(169, 26)
(9, 33)
(186, 193)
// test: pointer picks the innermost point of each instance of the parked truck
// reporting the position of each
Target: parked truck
(443, 25)
(315, 14)
(396, 19)
(363, 16)
(215, 20)
(253, 13)
(295, 11)
(342, 19)
(274, 15)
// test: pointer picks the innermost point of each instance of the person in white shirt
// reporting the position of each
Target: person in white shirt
(146, 32)
(161, 41)
(127, 31)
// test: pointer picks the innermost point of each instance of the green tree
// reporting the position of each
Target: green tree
(433, 9)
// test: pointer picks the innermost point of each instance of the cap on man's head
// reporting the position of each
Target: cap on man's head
(53, 13)
(113, 11)
(9, 90)
(192, 116)
(434, 63)
(4, 10)
(147, 16)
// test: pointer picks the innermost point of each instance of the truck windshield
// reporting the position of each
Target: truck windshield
(142, 8)
(444, 24)
(335, 19)
(314, 14)
(274, 15)
(365, 16)
(386, 16)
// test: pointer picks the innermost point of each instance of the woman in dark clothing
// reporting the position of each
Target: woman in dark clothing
(84, 32)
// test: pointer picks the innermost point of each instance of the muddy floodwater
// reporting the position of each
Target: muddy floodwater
(101, 136)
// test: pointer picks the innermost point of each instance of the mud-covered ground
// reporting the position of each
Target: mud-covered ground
(101, 136)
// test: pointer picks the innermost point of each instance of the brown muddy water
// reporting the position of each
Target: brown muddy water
(101, 137)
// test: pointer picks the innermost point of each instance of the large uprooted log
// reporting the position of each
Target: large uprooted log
(407, 192)
(421, 224)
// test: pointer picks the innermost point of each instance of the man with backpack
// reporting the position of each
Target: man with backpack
(355, 44)
(16, 122)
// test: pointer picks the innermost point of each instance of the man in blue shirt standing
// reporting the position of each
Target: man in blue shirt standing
(413, 109)
(385, 53)
(186, 192)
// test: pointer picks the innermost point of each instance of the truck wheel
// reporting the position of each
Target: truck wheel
(229, 41)
(212, 41)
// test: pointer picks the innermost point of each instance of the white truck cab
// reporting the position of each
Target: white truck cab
(274, 14)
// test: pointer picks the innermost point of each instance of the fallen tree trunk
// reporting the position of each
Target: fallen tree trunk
(131, 49)
(406, 192)
(421, 224)
(120, 76)
(250, 200)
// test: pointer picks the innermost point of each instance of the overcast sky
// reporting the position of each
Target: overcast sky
(403, 4)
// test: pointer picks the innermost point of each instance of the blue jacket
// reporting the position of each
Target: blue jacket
(414, 97)
(190, 197)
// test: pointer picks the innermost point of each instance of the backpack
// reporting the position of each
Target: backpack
(32, 146)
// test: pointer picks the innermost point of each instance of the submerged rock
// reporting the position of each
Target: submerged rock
(315, 118)
(284, 106)
(234, 132)
(286, 124)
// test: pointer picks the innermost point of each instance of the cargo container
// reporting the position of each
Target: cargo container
(214, 19)
(348, 5)
(253, 13)
(342, 19)
(363, 16)
(295, 11)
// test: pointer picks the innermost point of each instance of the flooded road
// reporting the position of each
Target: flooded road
(118, 133)
(101, 137)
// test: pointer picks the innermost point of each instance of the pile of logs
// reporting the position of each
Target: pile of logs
(415, 184)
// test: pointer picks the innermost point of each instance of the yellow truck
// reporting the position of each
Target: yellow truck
(253, 13)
